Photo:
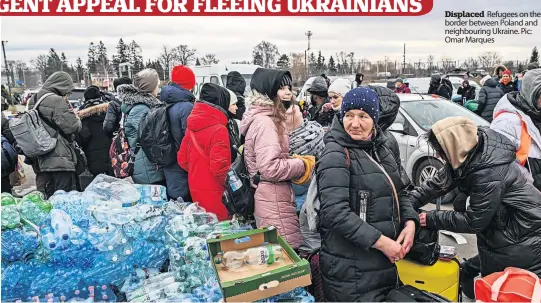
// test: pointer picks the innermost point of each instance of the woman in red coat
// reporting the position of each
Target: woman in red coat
(205, 152)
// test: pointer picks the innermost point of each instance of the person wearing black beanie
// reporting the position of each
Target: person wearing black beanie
(122, 80)
(205, 151)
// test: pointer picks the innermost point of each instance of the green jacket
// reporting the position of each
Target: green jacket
(135, 107)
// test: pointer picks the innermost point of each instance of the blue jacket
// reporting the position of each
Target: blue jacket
(135, 107)
(176, 177)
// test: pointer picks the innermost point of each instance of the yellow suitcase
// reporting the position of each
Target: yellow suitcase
(442, 278)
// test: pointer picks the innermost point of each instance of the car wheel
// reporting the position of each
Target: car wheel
(428, 169)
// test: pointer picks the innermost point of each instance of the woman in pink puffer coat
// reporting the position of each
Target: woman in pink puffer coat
(266, 150)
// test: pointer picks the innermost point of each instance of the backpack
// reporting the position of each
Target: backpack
(155, 137)
(122, 157)
(238, 197)
(9, 158)
(30, 133)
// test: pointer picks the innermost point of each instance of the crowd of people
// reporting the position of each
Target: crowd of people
(369, 210)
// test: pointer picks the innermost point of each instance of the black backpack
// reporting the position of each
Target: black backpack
(238, 197)
(155, 137)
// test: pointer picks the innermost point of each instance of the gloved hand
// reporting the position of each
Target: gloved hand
(309, 164)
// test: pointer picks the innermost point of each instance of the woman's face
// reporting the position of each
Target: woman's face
(284, 93)
(233, 108)
(336, 100)
(505, 77)
(358, 124)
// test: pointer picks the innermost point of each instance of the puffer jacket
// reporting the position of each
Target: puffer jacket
(135, 107)
(237, 84)
(181, 102)
(468, 92)
(489, 95)
(207, 165)
(512, 110)
(59, 113)
(358, 207)
(111, 123)
(504, 210)
(268, 153)
(94, 141)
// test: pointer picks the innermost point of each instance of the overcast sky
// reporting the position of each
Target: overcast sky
(233, 38)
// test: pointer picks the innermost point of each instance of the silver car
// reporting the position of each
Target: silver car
(416, 116)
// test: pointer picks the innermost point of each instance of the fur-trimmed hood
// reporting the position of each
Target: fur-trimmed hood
(130, 95)
(257, 105)
(93, 110)
(255, 98)
(499, 68)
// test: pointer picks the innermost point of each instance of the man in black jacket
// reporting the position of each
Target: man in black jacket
(237, 84)
(113, 116)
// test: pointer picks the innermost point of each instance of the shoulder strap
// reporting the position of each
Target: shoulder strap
(390, 181)
(40, 100)
(525, 140)
(196, 145)
(348, 159)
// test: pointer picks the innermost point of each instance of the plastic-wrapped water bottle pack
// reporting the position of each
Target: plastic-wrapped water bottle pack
(110, 243)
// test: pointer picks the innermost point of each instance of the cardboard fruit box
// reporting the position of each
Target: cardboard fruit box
(262, 281)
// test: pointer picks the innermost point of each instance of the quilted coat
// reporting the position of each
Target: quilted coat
(268, 153)
(504, 209)
(58, 112)
(207, 165)
(135, 107)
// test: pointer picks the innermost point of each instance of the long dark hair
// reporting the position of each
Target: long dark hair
(446, 172)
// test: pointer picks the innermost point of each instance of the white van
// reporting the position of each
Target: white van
(217, 74)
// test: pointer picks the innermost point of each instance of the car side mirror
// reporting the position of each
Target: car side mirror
(397, 128)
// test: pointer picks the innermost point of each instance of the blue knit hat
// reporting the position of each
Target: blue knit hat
(361, 98)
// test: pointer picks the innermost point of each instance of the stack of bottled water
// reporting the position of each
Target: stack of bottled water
(80, 246)
(76, 245)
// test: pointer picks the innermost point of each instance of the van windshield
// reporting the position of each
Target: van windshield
(247, 78)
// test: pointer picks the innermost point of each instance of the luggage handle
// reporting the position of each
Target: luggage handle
(496, 287)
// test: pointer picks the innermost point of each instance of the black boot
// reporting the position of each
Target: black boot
(469, 270)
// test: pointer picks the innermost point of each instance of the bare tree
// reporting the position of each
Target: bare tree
(184, 55)
(209, 59)
(430, 61)
(489, 59)
(297, 67)
(447, 63)
(351, 60)
(166, 58)
(40, 63)
(471, 63)
(265, 54)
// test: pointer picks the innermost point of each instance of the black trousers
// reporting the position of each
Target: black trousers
(49, 182)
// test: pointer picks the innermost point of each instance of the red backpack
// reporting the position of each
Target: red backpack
(122, 156)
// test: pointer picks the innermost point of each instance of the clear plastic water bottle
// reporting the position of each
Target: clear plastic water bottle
(61, 223)
(49, 238)
(234, 181)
